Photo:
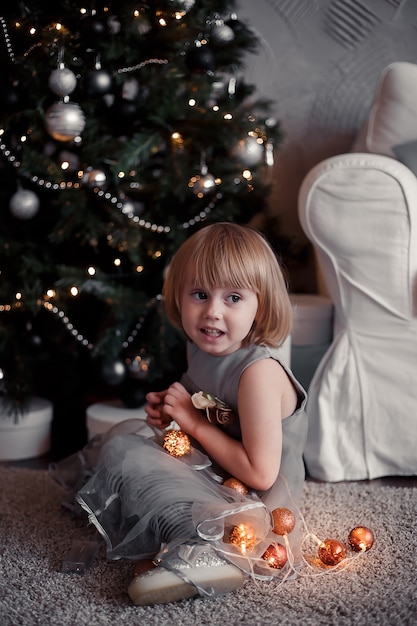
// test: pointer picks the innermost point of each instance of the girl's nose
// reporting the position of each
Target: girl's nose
(213, 309)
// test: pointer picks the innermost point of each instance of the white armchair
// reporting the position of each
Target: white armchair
(360, 212)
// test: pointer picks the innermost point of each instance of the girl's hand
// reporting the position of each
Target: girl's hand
(178, 405)
(155, 415)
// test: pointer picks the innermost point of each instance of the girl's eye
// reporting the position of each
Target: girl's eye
(234, 297)
(199, 295)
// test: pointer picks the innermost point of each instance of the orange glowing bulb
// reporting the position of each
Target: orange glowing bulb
(361, 538)
(243, 536)
(176, 443)
(283, 521)
(236, 485)
(275, 555)
(331, 552)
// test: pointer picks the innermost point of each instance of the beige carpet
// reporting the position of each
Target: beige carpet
(377, 588)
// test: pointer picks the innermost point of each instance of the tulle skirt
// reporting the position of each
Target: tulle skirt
(146, 502)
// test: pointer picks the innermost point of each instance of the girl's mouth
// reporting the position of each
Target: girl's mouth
(212, 332)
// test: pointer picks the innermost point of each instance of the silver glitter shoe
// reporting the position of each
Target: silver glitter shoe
(193, 570)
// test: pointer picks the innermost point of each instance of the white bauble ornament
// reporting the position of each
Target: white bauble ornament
(64, 121)
(24, 204)
(249, 151)
(62, 81)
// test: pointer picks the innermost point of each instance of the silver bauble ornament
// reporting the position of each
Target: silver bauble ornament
(221, 34)
(95, 178)
(98, 82)
(113, 372)
(64, 121)
(62, 81)
(185, 4)
(249, 151)
(132, 208)
(204, 184)
(24, 204)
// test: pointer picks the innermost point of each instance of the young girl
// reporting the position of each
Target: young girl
(205, 518)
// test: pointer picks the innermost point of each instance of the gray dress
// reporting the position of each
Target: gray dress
(220, 377)
(146, 502)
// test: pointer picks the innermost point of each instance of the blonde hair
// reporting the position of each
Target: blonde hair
(227, 254)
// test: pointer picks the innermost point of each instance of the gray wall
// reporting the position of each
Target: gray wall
(319, 62)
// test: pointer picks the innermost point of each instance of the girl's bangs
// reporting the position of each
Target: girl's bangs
(226, 268)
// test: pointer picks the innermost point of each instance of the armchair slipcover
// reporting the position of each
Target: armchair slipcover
(360, 212)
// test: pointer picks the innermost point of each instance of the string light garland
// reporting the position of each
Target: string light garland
(331, 554)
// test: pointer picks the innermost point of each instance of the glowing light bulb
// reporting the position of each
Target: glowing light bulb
(275, 555)
(331, 552)
(361, 538)
(176, 443)
(74, 291)
(243, 536)
(283, 521)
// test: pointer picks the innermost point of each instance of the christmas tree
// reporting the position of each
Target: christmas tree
(125, 126)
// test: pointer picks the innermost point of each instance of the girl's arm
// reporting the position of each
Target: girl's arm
(265, 397)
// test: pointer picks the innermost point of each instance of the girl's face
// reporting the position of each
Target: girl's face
(218, 319)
